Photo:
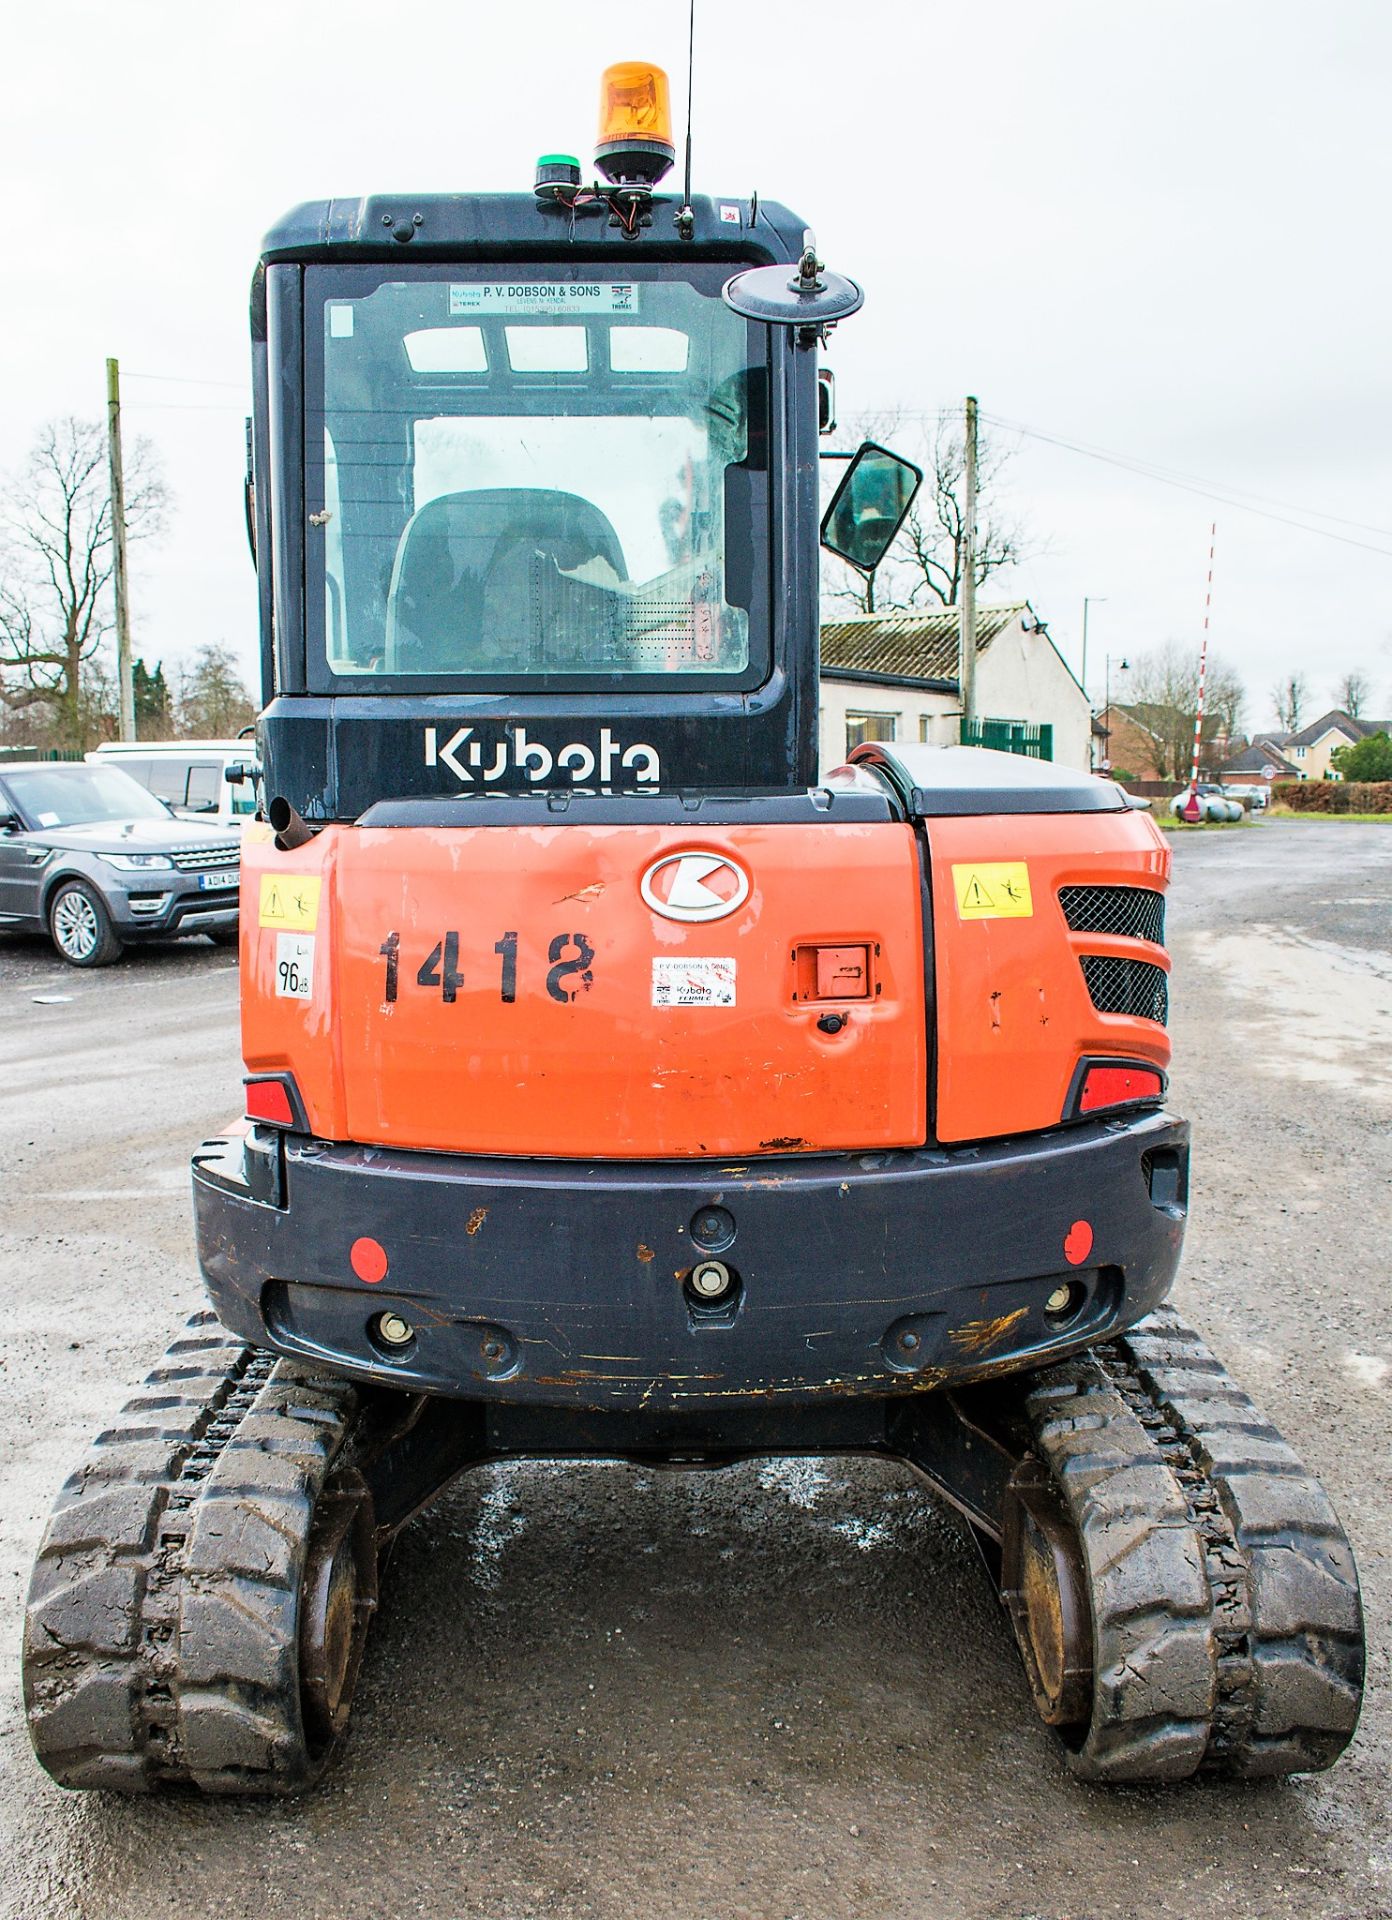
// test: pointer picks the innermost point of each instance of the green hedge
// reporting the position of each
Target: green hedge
(1334, 796)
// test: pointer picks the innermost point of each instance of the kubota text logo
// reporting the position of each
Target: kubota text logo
(469, 759)
(694, 886)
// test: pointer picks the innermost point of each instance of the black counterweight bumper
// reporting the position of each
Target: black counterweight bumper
(568, 1284)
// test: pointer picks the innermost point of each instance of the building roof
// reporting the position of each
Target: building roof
(1261, 753)
(1335, 719)
(1145, 714)
(915, 646)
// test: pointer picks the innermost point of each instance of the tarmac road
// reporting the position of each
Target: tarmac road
(783, 1691)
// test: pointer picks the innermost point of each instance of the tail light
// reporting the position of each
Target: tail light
(1115, 1083)
(274, 1099)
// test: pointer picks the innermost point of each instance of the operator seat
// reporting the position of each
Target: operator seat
(454, 604)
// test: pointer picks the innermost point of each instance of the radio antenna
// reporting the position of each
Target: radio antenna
(686, 219)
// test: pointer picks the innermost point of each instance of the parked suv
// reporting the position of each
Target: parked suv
(212, 779)
(90, 857)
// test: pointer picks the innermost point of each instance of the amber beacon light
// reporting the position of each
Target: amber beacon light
(635, 123)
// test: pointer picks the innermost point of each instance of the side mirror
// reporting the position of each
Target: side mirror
(868, 508)
(11, 823)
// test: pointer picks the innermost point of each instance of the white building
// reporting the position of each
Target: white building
(893, 676)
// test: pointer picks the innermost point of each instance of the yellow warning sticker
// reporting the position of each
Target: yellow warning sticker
(993, 890)
(290, 901)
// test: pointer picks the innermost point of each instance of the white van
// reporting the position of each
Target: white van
(193, 776)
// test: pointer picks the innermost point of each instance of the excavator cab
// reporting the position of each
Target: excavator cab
(616, 1086)
(536, 505)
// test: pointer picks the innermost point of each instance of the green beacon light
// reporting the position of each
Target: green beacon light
(556, 174)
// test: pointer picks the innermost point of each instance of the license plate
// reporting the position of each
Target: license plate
(209, 881)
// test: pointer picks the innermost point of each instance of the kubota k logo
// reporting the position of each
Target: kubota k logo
(694, 886)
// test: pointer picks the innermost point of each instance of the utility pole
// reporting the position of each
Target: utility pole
(1191, 810)
(1089, 600)
(966, 672)
(125, 686)
(1123, 667)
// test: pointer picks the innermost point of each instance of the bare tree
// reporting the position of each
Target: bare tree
(1352, 694)
(924, 566)
(213, 700)
(1289, 697)
(1164, 696)
(98, 703)
(1225, 702)
(932, 545)
(56, 564)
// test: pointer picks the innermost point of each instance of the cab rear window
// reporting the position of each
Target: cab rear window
(531, 481)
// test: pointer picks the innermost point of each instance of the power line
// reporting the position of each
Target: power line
(1219, 490)
(1207, 490)
(1159, 470)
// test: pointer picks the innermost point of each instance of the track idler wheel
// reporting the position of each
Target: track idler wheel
(338, 1597)
(1044, 1587)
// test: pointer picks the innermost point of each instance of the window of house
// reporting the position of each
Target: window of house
(869, 726)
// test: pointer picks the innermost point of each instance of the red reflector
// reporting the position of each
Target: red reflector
(368, 1259)
(1114, 1086)
(269, 1100)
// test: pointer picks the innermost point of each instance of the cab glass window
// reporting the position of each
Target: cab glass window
(204, 786)
(169, 779)
(533, 481)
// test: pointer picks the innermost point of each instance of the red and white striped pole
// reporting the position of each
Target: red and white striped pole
(1191, 809)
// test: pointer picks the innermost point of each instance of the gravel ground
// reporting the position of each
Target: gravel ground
(782, 1691)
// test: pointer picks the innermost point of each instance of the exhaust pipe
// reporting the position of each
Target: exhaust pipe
(290, 830)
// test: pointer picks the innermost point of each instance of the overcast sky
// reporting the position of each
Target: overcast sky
(1155, 230)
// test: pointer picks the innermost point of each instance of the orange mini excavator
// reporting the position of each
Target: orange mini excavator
(617, 1088)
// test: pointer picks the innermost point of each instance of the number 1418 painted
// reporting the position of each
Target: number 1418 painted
(569, 973)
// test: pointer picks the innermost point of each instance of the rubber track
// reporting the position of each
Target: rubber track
(161, 1640)
(1227, 1624)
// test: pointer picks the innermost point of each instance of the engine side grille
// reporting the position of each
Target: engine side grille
(207, 859)
(1133, 987)
(1138, 913)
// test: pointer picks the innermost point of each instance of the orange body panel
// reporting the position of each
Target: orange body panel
(1013, 1011)
(493, 990)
